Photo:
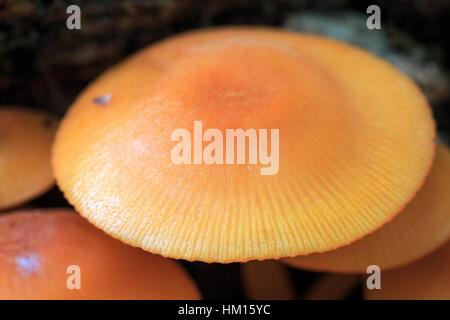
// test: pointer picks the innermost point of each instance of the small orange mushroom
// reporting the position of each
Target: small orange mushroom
(355, 144)
(42, 251)
(26, 137)
(426, 279)
(423, 226)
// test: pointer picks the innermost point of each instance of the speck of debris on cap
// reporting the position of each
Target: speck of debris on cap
(28, 263)
(102, 100)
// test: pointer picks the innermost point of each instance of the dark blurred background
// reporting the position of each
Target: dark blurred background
(44, 65)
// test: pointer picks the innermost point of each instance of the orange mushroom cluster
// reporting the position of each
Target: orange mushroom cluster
(26, 137)
(355, 145)
(43, 251)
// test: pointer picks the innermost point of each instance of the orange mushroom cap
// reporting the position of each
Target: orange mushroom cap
(422, 226)
(40, 250)
(355, 144)
(26, 137)
(426, 279)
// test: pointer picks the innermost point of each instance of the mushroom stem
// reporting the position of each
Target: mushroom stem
(333, 287)
(267, 280)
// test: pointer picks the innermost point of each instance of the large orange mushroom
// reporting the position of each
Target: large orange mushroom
(355, 144)
(26, 137)
(56, 254)
(422, 226)
(426, 279)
